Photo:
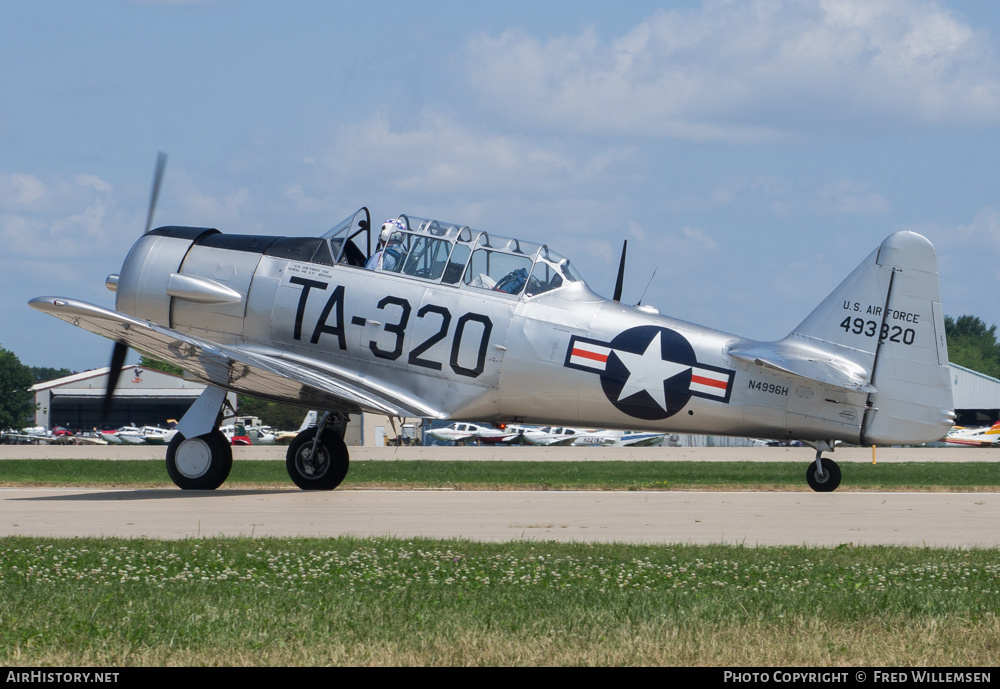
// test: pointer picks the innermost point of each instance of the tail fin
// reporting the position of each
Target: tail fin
(309, 421)
(886, 318)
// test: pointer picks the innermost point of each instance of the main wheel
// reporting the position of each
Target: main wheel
(828, 481)
(201, 463)
(322, 470)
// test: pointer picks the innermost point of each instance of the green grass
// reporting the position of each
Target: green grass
(397, 602)
(529, 475)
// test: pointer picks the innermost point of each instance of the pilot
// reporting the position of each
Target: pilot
(386, 256)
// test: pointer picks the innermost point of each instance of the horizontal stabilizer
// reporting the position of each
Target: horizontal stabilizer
(810, 365)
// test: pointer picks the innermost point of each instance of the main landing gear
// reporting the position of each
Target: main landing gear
(199, 463)
(200, 457)
(823, 475)
(317, 458)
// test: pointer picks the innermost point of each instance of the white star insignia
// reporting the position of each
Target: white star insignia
(648, 371)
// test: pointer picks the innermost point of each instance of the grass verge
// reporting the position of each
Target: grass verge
(422, 602)
(473, 475)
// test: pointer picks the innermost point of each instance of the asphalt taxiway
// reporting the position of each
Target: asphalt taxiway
(795, 518)
(772, 518)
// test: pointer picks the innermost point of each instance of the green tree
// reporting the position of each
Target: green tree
(158, 365)
(973, 344)
(16, 401)
(283, 417)
(43, 374)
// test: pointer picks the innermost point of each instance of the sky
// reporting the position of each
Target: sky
(752, 153)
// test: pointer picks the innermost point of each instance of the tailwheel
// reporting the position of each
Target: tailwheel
(317, 463)
(199, 463)
(823, 475)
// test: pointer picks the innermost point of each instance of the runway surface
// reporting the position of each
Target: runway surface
(795, 518)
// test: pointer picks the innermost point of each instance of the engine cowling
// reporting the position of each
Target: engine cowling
(144, 284)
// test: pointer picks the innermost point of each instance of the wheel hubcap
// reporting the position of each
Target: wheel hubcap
(193, 458)
(313, 465)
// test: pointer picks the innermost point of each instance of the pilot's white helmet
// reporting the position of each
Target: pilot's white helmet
(388, 227)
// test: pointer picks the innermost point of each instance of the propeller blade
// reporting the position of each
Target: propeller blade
(621, 274)
(117, 361)
(161, 163)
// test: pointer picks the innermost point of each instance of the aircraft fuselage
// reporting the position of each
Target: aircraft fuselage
(566, 356)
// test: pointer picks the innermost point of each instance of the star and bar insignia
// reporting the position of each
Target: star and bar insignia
(649, 372)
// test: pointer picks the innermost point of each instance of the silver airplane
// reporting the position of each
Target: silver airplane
(449, 322)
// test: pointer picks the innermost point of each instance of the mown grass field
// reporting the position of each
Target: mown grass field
(473, 475)
(343, 601)
(421, 602)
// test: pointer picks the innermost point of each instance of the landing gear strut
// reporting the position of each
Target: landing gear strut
(317, 458)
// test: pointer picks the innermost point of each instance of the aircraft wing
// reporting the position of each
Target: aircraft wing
(264, 372)
(557, 441)
(643, 441)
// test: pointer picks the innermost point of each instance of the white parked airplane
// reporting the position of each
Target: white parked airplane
(464, 432)
(560, 435)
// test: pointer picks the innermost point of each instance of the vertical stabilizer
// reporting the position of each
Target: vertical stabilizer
(886, 318)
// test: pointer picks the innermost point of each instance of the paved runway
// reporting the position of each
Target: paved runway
(799, 518)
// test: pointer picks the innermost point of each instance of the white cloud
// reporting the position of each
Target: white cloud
(852, 198)
(699, 239)
(436, 153)
(21, 191)
(747, 71)
(62, 217)
(985, 227)
(216, 211)
(454, 171)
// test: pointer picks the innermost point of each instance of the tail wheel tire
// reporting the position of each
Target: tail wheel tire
(200, 463)
(323, 469)
(829, 480)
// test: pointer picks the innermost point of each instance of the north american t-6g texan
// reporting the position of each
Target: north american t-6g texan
(442, 321)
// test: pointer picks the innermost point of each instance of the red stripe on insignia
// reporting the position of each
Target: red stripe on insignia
(711, 382)
(583, 353)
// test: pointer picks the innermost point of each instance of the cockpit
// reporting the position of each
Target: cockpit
(451, 254)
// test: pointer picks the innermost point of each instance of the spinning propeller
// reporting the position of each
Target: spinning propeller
(121, 349)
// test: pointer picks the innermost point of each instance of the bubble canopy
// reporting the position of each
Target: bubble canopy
(451, 254)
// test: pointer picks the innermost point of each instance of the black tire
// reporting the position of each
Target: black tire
(200, 463)
(831, 476)
(326, 470)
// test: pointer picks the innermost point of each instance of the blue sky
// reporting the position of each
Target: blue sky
(753, 153)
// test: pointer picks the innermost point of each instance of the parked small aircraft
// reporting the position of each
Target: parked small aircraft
(558, 435)
(38, 435)
(988, 436)
(454, 323)
(463, 432)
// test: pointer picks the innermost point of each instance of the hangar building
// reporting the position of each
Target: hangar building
(976, 396)
(143, 397)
